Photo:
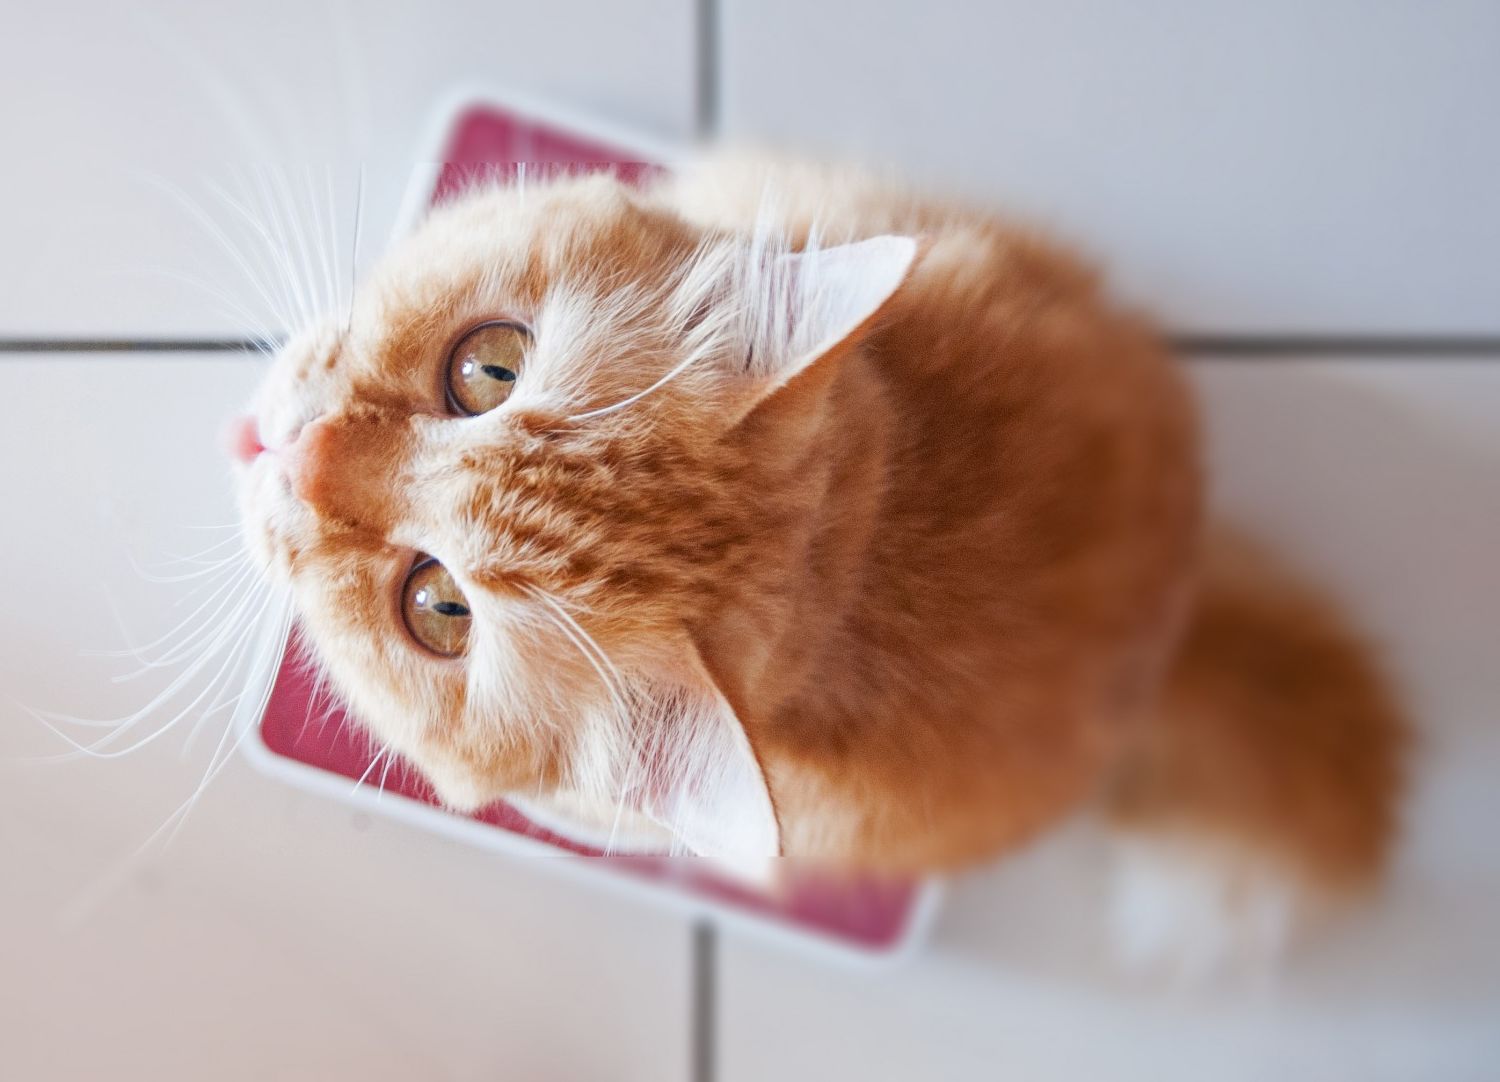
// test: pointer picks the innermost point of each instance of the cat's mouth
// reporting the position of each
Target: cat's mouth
(268, 507)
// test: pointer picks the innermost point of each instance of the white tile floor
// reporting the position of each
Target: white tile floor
(1266, 167)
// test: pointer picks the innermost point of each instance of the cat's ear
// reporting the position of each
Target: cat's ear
(807, 307)
(707, 785)
(684, 761)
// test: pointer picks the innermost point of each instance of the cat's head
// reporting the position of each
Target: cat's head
(533, 458)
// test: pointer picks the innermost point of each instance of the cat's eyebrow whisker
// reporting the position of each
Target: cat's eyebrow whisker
(234, 309)
(274, 249)
(359, 205)
(336, 302)
(319, 232)
(272, 205)
(211, 226)
(297, 225)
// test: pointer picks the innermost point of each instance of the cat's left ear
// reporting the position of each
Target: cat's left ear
(706, 783)
(810, 307)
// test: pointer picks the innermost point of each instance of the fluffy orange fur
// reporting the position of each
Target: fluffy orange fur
(925, 591)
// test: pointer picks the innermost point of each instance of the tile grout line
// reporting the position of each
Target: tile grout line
(708, 72)
(702, 1037)
(134, 345)
(1355, 346)
(1206, 347)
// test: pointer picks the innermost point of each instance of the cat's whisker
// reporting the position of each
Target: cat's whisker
(608, 673)
(297, 226)
(318, 236)
(204, 563)
(270, 644)
(322, 700)
(333, 248)
(232, 308)
(186, 646)
(359, 205)
(217, 546)
(380, 791)
(269, 211)
(242, 598)
(223, 679)
(682, 366)
(203, 718)
(122, 726)
(178, 634)
(272, 205)
(212, 227)
(385, 749)
(337, 304)
(207, 569)
(235, 585)
(273, 249)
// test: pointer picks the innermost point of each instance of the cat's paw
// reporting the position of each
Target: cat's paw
(1191, 909)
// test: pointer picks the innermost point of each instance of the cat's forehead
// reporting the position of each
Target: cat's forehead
(556, 259)
(590, 231)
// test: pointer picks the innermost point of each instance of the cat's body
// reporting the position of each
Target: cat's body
(996, 562)
(878, 557)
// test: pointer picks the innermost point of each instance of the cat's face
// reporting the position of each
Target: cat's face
(506, 489)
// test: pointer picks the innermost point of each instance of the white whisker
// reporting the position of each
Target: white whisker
(614, 683)
(385, 749)
(236, 587)
(122, 726)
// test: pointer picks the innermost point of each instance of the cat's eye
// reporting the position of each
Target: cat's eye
(483, 366)
(435, 610)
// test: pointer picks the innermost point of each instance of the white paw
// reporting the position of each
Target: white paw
(1192, 908)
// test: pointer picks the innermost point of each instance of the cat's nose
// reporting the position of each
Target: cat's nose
(343, 467)
(242, 439)
(307, 460)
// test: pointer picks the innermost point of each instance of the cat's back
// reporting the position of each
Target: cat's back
(1042, 430)
(1038, 502)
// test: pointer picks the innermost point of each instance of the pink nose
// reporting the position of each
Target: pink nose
(242, 439)
(308, 458)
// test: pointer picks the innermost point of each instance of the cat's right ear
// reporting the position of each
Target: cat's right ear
(806, 309)
(771, 316)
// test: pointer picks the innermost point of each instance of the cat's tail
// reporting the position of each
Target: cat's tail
(1267, 782)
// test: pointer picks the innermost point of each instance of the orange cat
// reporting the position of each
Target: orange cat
(774, 512)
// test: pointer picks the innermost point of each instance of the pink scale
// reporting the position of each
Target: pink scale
(325, 748)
